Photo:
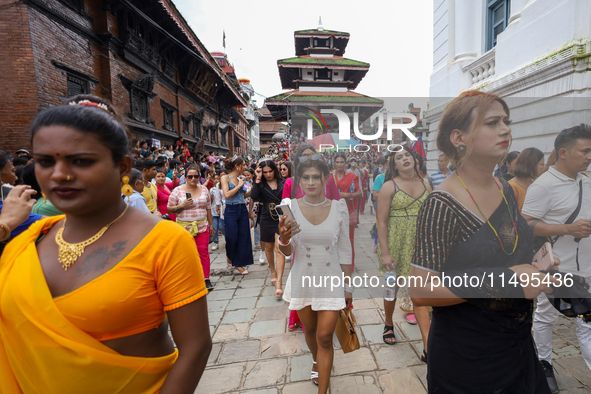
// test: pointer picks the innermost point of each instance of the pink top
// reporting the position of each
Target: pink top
(330, 190)
(162, 199)
(197, 212)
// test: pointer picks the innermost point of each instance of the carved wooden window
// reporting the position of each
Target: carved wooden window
(197, 127)
(77, 85)
(140, 108)
(223, 142)
(141, 39)
(76, 82)
(168, 112)
(186, 122)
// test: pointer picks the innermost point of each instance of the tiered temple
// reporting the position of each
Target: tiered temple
(320, 77)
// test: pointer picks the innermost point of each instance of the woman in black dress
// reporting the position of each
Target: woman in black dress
(267, 189)
(480, 337)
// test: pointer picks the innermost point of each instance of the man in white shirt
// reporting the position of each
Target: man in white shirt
(137, 200)
(549, 202)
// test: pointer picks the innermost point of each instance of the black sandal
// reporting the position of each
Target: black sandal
(424, 357)
(389, 336)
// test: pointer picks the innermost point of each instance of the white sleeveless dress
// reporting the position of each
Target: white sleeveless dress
(319, 252)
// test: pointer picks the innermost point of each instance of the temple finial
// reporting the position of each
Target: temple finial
(320, 28)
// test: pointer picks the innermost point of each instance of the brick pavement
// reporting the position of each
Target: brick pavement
(253, 351)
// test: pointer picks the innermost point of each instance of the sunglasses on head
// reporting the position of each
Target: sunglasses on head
(314, 157)
(192, 176)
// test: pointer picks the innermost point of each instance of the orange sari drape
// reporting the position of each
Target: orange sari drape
(43, 352)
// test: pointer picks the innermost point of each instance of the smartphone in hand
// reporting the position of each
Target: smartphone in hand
(544, 258)
(188, 195)
(6, 188)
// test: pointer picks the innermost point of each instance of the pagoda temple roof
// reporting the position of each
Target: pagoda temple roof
(289, 70)
(315, 98)
(331, 62)
(319, 33)
(365, 104)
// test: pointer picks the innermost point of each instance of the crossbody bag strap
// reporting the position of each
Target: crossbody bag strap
(574, 215)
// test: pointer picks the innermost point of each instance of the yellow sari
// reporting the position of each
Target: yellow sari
(43, 352)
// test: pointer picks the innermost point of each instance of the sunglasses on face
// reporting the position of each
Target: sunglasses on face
(192, 177)
(314, 157)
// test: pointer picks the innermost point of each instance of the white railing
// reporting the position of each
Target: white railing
(481, 68)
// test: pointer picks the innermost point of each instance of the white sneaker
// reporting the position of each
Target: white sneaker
(262, 258)
(215, 246)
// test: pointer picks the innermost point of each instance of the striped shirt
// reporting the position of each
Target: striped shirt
(437, 177)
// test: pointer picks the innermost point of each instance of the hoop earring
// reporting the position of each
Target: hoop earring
(126, 189)
(462, 149)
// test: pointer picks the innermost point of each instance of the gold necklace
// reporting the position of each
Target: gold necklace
(69, 253)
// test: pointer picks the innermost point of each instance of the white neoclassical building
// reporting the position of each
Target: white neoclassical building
(534, 53)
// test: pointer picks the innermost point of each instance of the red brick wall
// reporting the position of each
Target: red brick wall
(32, 42)
(18, 101)
(53, 42)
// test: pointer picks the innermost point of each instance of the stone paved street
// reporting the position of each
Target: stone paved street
(253, 351)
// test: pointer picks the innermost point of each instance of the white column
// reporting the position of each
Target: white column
(516, 8)
(466, 38)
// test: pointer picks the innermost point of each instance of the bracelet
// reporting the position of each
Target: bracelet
(286, 255)
(283, 244)
(7, 229)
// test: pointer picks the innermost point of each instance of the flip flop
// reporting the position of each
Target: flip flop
(389, 336)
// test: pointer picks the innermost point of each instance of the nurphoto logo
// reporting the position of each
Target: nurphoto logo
(345, 128)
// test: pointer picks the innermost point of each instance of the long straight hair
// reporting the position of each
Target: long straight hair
(392, 171)
(296, 164)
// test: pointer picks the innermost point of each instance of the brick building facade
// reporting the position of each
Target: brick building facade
(139, 54)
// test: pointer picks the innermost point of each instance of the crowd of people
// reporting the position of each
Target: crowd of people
(106, 244)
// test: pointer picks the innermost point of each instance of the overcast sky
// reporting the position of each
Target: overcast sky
(394, 36)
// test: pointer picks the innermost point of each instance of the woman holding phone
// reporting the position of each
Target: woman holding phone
(192, 205)
(236, 221)
(267, 190)
(302, 155)
(320, 240)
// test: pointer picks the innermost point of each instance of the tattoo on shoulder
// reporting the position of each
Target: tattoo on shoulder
(533, 224)
(98, 258)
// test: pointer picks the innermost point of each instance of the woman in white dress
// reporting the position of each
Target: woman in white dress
(322, 249)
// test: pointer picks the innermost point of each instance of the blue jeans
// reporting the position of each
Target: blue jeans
(218, 225)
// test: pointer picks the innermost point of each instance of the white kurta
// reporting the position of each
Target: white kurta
(319, 252)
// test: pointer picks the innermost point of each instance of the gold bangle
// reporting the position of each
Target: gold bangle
(7, 229)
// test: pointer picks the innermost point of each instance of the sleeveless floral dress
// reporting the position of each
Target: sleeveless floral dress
(402, 227)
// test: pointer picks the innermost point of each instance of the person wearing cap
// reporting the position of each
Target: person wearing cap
(22, 152)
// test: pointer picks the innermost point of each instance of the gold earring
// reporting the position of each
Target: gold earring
(462, 149)
(44, 198)
(68, 178)
(126, 189)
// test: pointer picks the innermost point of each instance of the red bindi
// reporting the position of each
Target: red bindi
(57, 154)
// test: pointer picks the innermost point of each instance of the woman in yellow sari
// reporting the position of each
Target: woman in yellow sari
(86, 298)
